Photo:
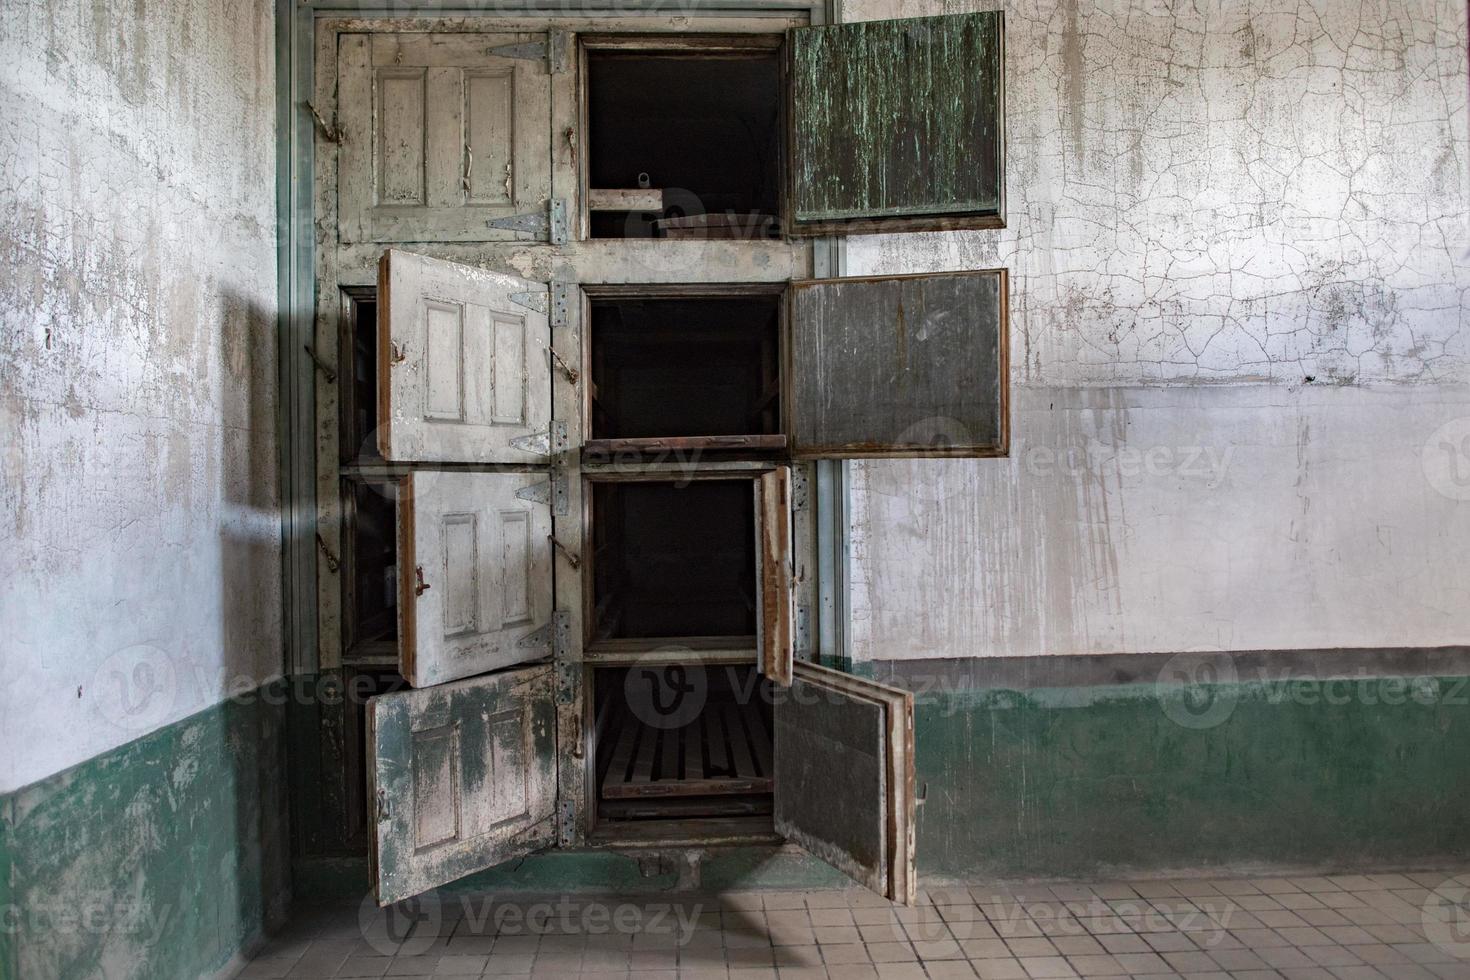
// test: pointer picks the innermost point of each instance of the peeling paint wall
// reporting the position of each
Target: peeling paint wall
(1239, 241)
(137, 329)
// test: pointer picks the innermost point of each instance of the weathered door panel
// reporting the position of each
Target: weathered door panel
(899, 366)
(844, 776)
(897, 125)
(776, 610)
(461, 777)
(474, 573)
(464, 373)
(440, 135)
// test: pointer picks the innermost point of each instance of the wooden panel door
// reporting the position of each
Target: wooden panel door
(899, 366)
(775, 578)
(897, 125)
(464, 363)
(443, 134)
(474, 567)
(844, 776)
(462, 777)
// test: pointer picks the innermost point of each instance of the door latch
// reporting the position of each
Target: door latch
(420, 586)
(567, 553)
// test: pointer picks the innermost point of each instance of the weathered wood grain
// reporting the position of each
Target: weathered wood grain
(462, 777)
(463, 368)
(775, 610)
(844, 776)
(474, 574)
(440, 135)
(899, 366)
(897, 119)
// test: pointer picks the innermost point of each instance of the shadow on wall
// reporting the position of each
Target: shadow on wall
(166, 855)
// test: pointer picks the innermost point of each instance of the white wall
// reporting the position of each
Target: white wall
(140, 552)
(1240, 260)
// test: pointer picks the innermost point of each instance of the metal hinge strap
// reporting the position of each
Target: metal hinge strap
(560, 301)
(546, 443)
(549, 222)
(553, 51)
(537, 300)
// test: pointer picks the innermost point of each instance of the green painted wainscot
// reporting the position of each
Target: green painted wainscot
(165, 857)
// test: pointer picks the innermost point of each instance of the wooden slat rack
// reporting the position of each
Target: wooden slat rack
(724, 751)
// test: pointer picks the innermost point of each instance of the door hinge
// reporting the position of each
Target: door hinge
(560, 492)
(554, 440)
(553, 633)
(536, 493)
(566, 682)
(552, 491)
(561, 633)
(803, 638)
(549, 222)
(539, 637)
(553, 51)
(560, 301)
(799, 488)
(535, 299)
(566, 830)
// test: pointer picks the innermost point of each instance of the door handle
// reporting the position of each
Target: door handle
(420, 586)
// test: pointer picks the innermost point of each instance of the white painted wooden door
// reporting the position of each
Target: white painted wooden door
(474, 563)
(464, 369)
(443, 136)
(462, 777)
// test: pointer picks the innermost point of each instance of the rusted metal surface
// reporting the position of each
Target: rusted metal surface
(900, 366)
(898, 119)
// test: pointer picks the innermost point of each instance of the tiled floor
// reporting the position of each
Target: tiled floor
(1402, 926)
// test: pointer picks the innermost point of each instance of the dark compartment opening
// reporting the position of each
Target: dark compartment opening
(370, 602)
(673, 561)
(703, 127)
(685, 367)
(682, 741)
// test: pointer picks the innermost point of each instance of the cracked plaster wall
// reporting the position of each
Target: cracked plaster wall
(140, 559)
(1237, 234)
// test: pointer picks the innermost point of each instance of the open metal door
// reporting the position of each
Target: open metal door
(474, 573)
(899, 366)
(775, 578)
(897, 125)
(462, 777)
(464, 364)
(844, 776)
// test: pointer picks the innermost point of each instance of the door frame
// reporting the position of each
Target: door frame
(299, 283)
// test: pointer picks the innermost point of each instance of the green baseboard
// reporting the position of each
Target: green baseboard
(160, 858)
